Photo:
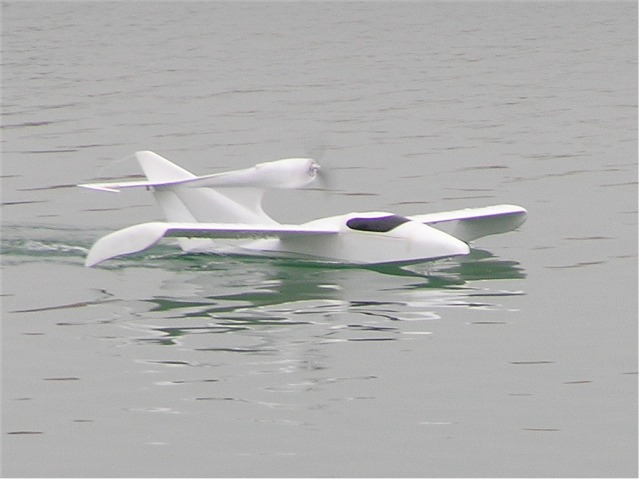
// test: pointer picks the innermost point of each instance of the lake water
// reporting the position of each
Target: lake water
(518, 361)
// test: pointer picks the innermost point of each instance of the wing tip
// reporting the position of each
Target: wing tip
(133, 239)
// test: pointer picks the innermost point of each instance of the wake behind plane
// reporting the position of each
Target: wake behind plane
(202, 210)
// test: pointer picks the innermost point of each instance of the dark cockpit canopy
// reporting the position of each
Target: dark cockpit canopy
(379, 224)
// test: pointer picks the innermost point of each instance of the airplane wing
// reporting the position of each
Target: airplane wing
(143, 236)
(472, 223)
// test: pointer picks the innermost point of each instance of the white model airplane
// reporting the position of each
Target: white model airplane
(200, 209)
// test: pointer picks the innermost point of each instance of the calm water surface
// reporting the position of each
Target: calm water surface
(518, 361)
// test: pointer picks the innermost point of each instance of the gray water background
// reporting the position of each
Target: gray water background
(517, 362)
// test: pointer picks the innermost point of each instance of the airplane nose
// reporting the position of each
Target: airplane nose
(437, 244)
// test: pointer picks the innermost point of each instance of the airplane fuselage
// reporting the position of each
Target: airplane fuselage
(364, 238)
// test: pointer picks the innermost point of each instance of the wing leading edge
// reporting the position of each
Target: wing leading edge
(143, 236)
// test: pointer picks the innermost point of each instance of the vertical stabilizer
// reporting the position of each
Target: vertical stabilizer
(160, 170)
(199, 201)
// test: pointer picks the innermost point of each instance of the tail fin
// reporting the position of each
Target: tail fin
(230, 197)
(185, 197)
(182, 199)
(160, 170)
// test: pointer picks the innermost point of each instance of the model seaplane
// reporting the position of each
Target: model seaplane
(223, 206)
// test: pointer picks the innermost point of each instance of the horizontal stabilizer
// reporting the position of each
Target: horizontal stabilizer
(137, 238)
(116, 187)
(197, 182)
(214, 180)
(472, 223)
(158, 170)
